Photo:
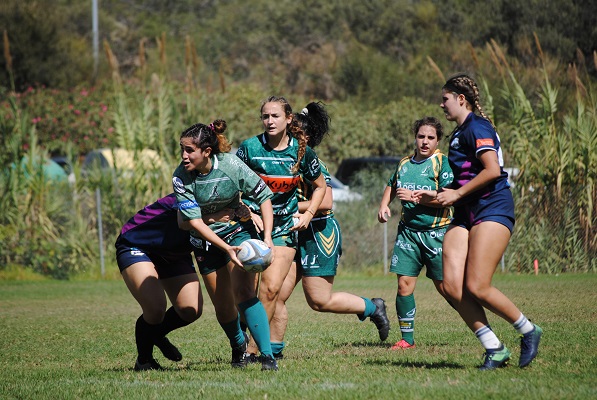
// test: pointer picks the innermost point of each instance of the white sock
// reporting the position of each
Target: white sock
(523, 325)
(487, 338)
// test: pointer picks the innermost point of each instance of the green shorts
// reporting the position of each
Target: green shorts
(320, 247)
(282, 235)
(414, 249)
(210, 258)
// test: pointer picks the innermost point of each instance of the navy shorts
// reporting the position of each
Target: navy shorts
(497, 207)
(166, 265)
(209, 258)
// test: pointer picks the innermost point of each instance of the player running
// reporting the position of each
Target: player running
(422, 224)
(208, 180)
(154, 256)
(482, 225)
(320, 248)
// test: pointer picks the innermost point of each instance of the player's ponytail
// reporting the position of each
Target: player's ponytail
(211, 135)
(299, 134)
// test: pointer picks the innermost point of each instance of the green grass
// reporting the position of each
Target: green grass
(64, 340)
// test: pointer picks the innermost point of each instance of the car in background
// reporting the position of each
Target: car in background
(350, 167)
(342, 193)
(67, 166)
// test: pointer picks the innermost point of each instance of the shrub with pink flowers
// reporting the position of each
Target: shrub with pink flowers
(76, 119)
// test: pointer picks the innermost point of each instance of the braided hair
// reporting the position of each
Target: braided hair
(466, 86)
(211, 135)
(298, 134)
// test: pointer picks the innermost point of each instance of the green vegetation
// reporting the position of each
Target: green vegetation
(75, 340)
(167, 66)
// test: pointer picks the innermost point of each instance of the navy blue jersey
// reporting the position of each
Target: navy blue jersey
(155, 229)
(475, 135)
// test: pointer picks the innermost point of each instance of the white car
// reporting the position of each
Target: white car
(341, 192)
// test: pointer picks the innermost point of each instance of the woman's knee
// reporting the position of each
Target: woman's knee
(190, 313)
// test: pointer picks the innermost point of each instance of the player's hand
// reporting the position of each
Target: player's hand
(384, 214)
(447, 197)
(232, 250)
(257, 221)
(404, 194)
(424, 196)
(270, 243)
(301, 221)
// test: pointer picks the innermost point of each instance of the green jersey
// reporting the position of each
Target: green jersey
(274, 167)
(430, 174)
(221, 188)
(305, 189)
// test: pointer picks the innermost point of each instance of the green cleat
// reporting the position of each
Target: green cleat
(495, 358)
(529, 346)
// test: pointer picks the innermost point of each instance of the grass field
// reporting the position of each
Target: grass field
(67, 340)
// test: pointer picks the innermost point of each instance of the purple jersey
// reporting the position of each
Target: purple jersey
(475, 135)
(155, 229)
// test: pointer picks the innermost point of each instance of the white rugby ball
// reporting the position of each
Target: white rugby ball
(254, 255)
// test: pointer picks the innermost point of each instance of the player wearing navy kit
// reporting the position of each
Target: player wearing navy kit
(154, 256)
(279, 156)
(320, 248)
(208, 180)
(422, 223)
(482, 225)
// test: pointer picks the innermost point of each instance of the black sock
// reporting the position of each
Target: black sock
(144, 339)
(171, 322)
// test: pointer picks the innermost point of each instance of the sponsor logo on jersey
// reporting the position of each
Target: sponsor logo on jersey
(412, 186)
(258, 189)
(185, 205)
(484, 142)
(314, 166)
(178, 185)
(214, 193)
(196, 242)
(136, 252)
(280, 184)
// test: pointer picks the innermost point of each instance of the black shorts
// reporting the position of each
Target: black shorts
(166, 265)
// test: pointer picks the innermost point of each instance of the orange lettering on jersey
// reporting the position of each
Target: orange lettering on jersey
(280, 184)
(484, 142)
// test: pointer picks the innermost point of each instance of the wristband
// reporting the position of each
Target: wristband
(312, 213)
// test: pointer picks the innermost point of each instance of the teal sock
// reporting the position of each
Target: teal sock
(369, 309)
(233, 332)
(257, 323)
(406, 310)
(277, 347)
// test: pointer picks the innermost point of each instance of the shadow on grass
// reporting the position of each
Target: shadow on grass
(415, 364)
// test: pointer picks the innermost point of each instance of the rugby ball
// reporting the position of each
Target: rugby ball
(254, 255)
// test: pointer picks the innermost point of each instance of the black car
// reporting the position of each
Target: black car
(350, 167)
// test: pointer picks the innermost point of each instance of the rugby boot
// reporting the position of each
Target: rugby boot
(380, 318)
(495, 358)
(529, 346)
(168, 349)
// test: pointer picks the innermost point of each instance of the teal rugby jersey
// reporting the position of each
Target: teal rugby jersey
(274, 167)
(305, 189)
(221, 188)
(430, 174)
